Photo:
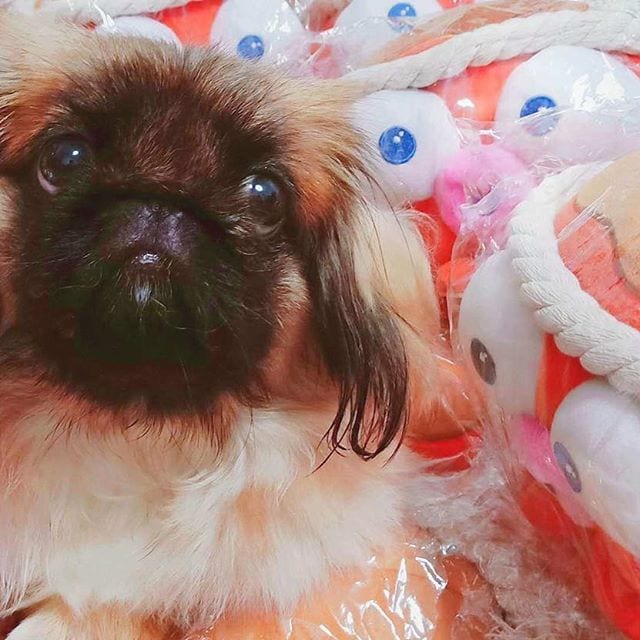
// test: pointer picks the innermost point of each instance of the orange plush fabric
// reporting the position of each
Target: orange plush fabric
(395, 596)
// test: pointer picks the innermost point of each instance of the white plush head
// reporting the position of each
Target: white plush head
(255, 30)
(398, 15)
(412, 135)
(499, 335)
(576, 87)
(596, 442)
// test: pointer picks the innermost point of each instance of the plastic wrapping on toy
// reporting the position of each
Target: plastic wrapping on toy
(325, 38)
(545, 305)
(318, 37)
(443, 148)
(401, 594)
(368, 33)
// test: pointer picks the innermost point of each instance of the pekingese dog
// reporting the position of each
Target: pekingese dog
(211, 342)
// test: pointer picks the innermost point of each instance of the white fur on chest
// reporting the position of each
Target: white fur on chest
(167, 526)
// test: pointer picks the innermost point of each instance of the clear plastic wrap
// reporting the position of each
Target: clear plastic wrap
(444, 147)
(556, 374)
(325, 38)
(417, 591)
(546, 317)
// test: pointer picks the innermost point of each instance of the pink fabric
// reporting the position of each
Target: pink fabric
(531, 442)
(472, 174)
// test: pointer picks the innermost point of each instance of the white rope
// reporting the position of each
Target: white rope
(84, 11)
(610, 25)
(615, 29)
(581, 327)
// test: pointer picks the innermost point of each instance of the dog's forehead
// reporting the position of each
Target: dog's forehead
(172, 119)
(132, 90)
(164, 103)
(182, 94)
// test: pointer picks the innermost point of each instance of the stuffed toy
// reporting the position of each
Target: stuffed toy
(465, 138)
(561, 360)
(278, 30)
(444, 133)
(250, 30)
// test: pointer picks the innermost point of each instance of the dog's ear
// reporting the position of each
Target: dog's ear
(34, 69)
(10, 62)
(376, 321)
(373, 303)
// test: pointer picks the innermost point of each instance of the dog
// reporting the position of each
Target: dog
(212, 341)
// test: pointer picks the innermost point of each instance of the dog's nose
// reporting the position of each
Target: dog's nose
(145, 308)
(148, 235)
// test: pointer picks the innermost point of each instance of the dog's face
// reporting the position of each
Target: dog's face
(156, 225)
(174, 218)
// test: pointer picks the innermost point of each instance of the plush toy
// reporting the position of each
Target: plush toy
(281, 30)
(551, 327)
(574, 434)
(383, 20)
(270, 29)
(427, 136)
(393, 597)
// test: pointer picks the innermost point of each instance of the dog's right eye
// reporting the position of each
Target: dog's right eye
(61, 160)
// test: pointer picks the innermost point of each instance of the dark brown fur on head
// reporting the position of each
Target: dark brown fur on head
(153, 277)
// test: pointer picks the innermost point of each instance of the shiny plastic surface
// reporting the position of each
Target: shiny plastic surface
(546, 318)
(415, 592)
(562, 412)
(324, 38)
(444, 148)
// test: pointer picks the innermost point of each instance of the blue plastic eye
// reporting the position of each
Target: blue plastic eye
(251, 47)
(397, 145)
(540, 104)
(537, 104)
(567, 466)
(400, 11)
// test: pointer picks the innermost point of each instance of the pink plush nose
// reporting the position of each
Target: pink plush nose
(327, 60)
(531, 444)
(472, 174)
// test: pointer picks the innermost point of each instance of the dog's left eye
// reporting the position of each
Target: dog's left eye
(60, 161)
(265, 192)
